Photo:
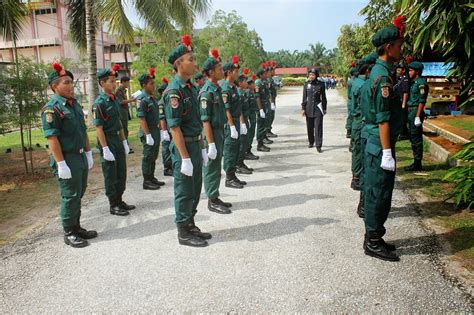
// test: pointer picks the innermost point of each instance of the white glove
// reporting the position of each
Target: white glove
(90, 160)
(388, 163)
(417, 122)
(262, 114)
(205, 158)
(233, 133)
(187, 167)
(126, 147)
(243, 129)
(273, 106)
(149, 140)
(64, 171)
(212, 153)
(165, 136)
(250, 125)
(108, 155)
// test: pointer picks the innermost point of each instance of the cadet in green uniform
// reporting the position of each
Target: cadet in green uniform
(253, 112)
(200, 80)
(416, 104)
(164, 133)
(149, 133)
(353, 74)
(71, 156)
(187, 148)
(269, 115)
(262, 104)
(121, 95)
(242, 168)
(111, 142)
(273, 95)
(213, 116)
(383, 122)
(233, 106)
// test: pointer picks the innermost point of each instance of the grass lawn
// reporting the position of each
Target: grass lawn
(466, 125)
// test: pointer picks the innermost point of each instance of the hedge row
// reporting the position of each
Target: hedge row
(290, 81)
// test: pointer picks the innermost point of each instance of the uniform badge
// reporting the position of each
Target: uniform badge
(204, 103)
(224, 98)
(49, 118)
(161, 110)
(422, 89)
(385, 91)
(257, 89)
(174, 101)
(94, 113)
(138, 103)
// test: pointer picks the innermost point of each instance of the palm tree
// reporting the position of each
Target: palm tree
(12, 18)
(317, 54)
(161, 17)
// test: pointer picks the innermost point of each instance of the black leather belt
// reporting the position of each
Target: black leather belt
(78, 151)
(191, 139)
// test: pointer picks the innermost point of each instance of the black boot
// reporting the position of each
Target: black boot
(148, 183)
(193, 229)
(155, 181)
(115, 208)
(131, 151)
(355, 183)
(214, 206)
(240, 169)
(360, 206)
(185, 237)
(250, 156)
(72, 238)
(225, 204)
(319, 150)
(271, 135)
(242, 164)
(168, 172)
(348, 133)
(83, 233)
(374, 246)
(263, 148)
(267, 141)
(242, 182)
(232, 182)
(416, 166)
(310, 145)
(123, 205)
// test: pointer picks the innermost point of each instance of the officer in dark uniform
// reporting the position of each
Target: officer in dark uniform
(383, 121)
(71, 156)
(242, 168)
(403, 88)
(314, 108)
(164, 132)
(121, 95)
(353, 74)
(253, 112)
(111, 142)
(263, 101)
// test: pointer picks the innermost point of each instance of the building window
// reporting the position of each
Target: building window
(45, 11)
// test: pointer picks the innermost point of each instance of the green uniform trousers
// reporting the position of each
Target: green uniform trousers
(231, 149)
(166, 155)
(72, 190)
(115, 172)
(261, 131)
(270, 117)
(150, 153)
(416, 133)
(356, 147)
(243, 145)
(378, 187)
(252, 129)
(212, 172)
(349, 117)
(187, 189)
(124, 121)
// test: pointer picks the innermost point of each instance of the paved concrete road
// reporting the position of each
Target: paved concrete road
(292, 244)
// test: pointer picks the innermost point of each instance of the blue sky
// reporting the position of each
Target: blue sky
(290, 24)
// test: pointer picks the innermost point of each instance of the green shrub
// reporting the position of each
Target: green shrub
(463, 177)
(290, 81)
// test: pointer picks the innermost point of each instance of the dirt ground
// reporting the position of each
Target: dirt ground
(450, 146)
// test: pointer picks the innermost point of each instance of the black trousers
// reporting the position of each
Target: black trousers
(315, 129)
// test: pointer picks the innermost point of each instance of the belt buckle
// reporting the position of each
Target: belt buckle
(81, 150)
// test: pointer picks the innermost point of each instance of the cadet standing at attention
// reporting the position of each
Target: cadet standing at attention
(213, 116)
(383, 123)
(353, 75)
(416, 103)
(262, 102)
(111, 142)
(121, 95)
(164, 133)
(253, 112)
(200, 79)
(233, 106)
(149, 133)
(71, 156)
(242, 168)
(187, 148)
(273, 95)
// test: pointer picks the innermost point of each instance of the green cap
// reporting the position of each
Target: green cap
(371, 58)
(262, 69)
(199, 76)
(164, 84)
(251, 78)
(58, 72)
(212, 61)
(104, 73)
(233, 64)
(143, 78)
(182, 49)
(389, 33)
(416, 65)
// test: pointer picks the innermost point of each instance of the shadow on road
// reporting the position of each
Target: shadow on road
(274, 202)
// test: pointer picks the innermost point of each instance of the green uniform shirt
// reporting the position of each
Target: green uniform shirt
(383, 103)
(244, 100)
(120, 95)
(273, 89)
(252, 100)
(106, 113)
(418, 93)
(355, 95)
(182, 107)
(65, 121)
(161, 108)
(212, 107)
(262, 93)
(231, 99)
(147, 107)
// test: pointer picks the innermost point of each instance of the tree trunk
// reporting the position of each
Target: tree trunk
(30, 148)
(126, 59)
(92, 58)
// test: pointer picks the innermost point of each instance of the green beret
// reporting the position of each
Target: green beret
(227, 66)
(53, 75)
(242, 77)
(385, 35)
(353, 70)
(210, 63)
(181, 50)
(105, 73)
(198, 76)
(371, 58)
(250, 78)
(416, 65)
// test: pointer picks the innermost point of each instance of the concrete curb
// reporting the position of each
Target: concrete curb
(446, 134)
(440, 153)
